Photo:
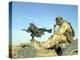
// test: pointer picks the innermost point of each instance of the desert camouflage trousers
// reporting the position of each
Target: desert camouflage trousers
(54, 40)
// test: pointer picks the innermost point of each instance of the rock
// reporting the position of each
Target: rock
(72, 49)
(34, 50)
(28, 52)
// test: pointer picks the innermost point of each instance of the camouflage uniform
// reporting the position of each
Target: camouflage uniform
(61, 38)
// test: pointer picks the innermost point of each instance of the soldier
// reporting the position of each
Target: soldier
(65, 28)
(61, 38)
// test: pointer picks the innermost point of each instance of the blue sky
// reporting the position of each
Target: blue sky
(42, 15)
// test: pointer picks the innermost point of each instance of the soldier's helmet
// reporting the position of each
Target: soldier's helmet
(59, 20)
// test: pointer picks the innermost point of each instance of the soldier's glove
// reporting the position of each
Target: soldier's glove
(54, 28)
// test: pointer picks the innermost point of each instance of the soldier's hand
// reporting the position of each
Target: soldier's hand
(54, 25)
(54, 28)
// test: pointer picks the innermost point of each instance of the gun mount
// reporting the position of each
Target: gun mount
(35, 31)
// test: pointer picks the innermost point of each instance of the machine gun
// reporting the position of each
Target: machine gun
(35, 31)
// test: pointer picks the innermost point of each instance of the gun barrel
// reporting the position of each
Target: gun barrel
(24, 29)
(49, 31)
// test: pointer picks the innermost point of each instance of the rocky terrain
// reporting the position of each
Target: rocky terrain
(71, 49)
(27, 50)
